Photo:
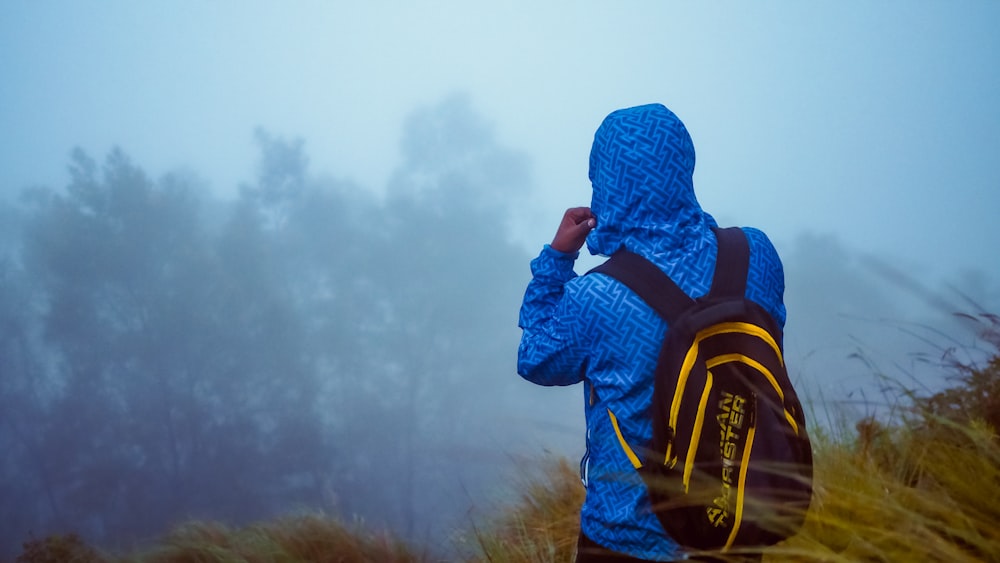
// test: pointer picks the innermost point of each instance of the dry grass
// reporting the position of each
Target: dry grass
(924, 492)
(542, 526)
(903, 494)
(309, 537)
(922, 487)
(928, 490)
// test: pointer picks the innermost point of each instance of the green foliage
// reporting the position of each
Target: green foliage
(173, 410)
(975, 397)
(58, 549)
(292, 539)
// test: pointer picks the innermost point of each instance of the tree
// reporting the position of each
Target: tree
(308, 344)
(26, 487)
(179, 371)
(450, 297)
(411, 308)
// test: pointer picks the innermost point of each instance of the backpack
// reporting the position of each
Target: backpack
(730, 463)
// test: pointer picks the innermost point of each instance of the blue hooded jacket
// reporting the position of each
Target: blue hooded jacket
(595, 330)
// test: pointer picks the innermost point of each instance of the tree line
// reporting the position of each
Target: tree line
(168, 355)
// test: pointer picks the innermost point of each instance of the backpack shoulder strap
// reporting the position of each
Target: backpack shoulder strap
(732, 264)
(648, 281)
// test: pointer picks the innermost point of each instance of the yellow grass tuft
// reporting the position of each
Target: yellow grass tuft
(542, 526)
(912, 493)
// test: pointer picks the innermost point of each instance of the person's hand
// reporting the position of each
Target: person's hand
(576, 223)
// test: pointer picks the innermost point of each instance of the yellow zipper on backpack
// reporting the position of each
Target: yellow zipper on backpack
(741, 489)
(699, 421)
(692, 355)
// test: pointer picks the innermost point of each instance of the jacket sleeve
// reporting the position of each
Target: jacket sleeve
(550, 352)
(766, 282)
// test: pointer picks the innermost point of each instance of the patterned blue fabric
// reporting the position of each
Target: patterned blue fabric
(595, 330)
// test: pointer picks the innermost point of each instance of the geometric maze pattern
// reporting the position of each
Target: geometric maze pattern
(641, 167)
(595, 330)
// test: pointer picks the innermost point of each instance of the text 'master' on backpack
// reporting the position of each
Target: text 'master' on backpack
(730, 463)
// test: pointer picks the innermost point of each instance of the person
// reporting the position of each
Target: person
(592, 329)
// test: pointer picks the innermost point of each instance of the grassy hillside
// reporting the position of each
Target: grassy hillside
(290, 539)
(924, 486)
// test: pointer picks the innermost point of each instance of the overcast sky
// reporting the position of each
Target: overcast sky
(876, 121)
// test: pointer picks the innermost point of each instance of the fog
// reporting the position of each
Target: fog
(262, 257)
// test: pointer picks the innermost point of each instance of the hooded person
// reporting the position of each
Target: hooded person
(594, 330)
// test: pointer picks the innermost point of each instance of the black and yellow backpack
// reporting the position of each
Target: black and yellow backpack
(730, 463)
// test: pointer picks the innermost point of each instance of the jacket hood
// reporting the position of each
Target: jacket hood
(641, 168)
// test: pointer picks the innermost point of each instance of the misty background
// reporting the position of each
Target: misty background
(263, 257)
